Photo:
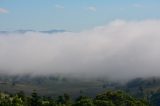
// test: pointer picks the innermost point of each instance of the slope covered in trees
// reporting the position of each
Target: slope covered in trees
(53, 86)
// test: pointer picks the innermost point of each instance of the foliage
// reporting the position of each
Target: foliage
(109, 98)
(118, 98)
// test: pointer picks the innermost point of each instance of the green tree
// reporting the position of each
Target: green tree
(17, 101)
(35, 99)
(67, 100)
(21, 95)
(119, 98)
(103, 103)
(84, 101)
(5, 101)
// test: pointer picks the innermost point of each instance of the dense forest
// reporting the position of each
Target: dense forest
(109, 98)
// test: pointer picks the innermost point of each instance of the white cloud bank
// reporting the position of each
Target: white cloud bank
(119, 50)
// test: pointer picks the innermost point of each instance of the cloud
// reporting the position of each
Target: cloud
(121, 49)
(59, 6)
(138, 5)
(26, 31)
(92, 8)
(3, 11)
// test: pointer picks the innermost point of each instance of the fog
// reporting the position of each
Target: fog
(120, 49)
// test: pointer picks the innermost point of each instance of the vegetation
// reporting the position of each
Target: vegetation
(109, 98)
(83, 92)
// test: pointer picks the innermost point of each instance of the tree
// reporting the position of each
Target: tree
(119, 98)
(17, 101)
(84, 101)
(155, 98)
(103, 103)
(67, 100)
(21, 95)
(35, 99)
(60, 100)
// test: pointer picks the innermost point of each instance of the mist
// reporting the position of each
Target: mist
(120, 49)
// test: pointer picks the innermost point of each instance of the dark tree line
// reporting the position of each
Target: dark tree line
(109, 98)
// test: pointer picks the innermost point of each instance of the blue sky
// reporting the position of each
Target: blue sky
(72, 15)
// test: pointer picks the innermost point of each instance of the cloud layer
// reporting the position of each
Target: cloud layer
(120, 49)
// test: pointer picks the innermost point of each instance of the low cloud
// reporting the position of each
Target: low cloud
(92, 8)
(59, 6)
(120, 49)
(138, 5)
(3, 11)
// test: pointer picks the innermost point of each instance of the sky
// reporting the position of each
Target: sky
(72, 15)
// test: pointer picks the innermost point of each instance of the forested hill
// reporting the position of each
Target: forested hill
(54, 86)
